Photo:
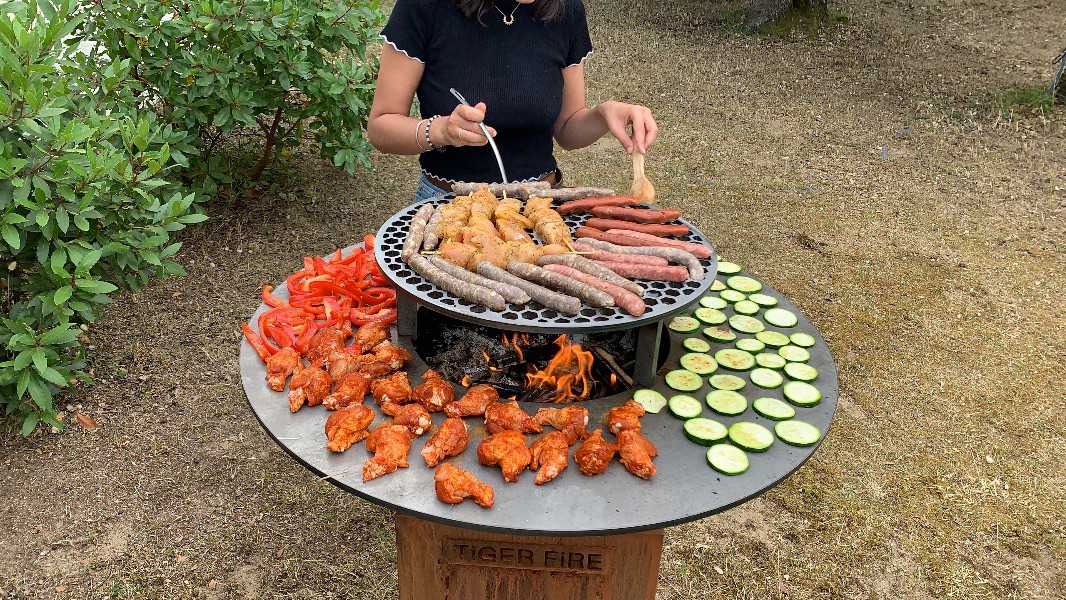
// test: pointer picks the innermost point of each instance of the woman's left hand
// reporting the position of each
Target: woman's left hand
(621, 117)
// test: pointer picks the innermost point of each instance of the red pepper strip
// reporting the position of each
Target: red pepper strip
(294, 280)
(387, 315)
(319, 286)
(336, 256)
(271, 299)
(331, 306)
(281, 314)
(378, 293)
(262, 348)
(305, 337)
(355, 255)
(277, 333)
(368, 241)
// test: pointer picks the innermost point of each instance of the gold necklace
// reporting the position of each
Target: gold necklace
(507, 20)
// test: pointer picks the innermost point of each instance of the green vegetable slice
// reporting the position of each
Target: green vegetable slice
(794, 353)
(651, 400)
(744, 284)
(710, 316)
(751, 436)
(746, 324)
(731, 295)
(724, 381)
(802, 393)
(746, 307)
(705, 431)
(713, 302)
(696, 345)
(717, 286)
(772, 338)
(720, 334)
(763, 300)
(698, 363)
(770, 361)
(797, 433)
(684, 324)
(780, 317)
(727, 459)
(683, 380)
(734, 360)
(727, 402)
(766, 378)
(774, 409)
(728, 268)
(750, 345)
(803, 340)
(801, 371)
(686, 407)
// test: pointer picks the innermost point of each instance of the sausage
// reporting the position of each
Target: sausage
(464, 188)
(594, 253)
(694, 248)
(510, 293)
(415, 232)
(572, 193)
(636, 271)
(656, 229)
(630, 302)
(695, 269)
(636, 215)
(590, 295)
(586, 204)
(431, 237)
(580, 263)
(568, 305)
(472, 293)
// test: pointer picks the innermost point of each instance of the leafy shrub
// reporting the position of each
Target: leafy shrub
(277, 66)
(85, 206)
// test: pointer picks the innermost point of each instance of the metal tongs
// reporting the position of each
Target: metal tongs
(485, 130)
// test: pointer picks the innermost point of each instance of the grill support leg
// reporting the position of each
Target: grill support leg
(648, 339)
(406, 316)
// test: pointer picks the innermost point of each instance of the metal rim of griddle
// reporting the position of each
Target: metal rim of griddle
(662, 298)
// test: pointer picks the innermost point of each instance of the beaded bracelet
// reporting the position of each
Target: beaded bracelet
(429, 123)
(418, 141)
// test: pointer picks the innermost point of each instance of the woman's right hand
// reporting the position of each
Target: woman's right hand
(461, 127)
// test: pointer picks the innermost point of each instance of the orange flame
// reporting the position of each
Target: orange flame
(568, 373)
(513, 343)
(466, 381)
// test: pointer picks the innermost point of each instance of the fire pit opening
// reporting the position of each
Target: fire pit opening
(530, 367)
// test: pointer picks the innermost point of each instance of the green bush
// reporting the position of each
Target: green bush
(85, 202)
(276, 66)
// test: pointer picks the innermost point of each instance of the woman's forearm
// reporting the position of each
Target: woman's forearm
(582, 129)
(399, 134)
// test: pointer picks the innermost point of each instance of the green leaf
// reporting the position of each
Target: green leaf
(54, 377)
(62, 295)
(11, 236)
(30, 424)
(95, 286)
(40, 394)
(60, 335)
(40, 359)
(23, 360)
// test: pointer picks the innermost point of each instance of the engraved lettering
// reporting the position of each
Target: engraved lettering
(525, 556)
(461, 548)
(551, 556)
(507, 555)
(595, 562)
(487, 554)
(578, 558)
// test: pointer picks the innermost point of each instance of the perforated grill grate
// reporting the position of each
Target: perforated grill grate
(662, 298)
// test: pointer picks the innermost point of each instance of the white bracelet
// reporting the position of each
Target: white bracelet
(418, 131)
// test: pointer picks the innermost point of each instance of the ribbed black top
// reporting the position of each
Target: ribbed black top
(516, 70)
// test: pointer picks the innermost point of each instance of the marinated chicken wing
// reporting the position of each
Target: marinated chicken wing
(280, 366)
(396, 388)
(351, 390)
(449, 440)
(627, 416)
(636, 452)
(503, 416)
(434, 393)
(506, 449)
(474, 402)
(343, 361)
(348, 426)
(393, 356)
(454, 484)
(571, 420)
(551, 454)
(370, 335)
(412, 416)
(323, 343)
(390, 444)
(594, 454)
(309, 385)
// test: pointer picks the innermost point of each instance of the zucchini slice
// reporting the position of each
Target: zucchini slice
(683, 380)
(696, 345)
(797, 433)
(684, 325)
(728, 268)
(717, 286)
(767, 378)
(731, 295)
(803, 340)
(727, 402)
(746, 307)
(713, 302)
(751, 436)
(705, 432)
(774, 409)
(746, 324)
(744, 284)
(772, 338)
(698, 363)
(721, 335)
(794, 353)
(780, 317)
(802, 393)
(750, 345)
(685, 407)
(763, 300)
(727, 459)
(651, 400)
(723, 381)
(801, 371)
(735, 360)
(770, 360)
(709, 316)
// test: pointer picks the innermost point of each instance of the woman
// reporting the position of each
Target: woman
(520, 63)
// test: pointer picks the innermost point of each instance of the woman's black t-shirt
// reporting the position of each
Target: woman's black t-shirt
(516, 70)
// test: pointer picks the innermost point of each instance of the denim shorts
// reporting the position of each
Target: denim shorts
(427, 190)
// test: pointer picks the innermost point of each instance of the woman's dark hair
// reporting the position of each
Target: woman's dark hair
(543, 10)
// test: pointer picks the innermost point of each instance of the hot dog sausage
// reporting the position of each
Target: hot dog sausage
(593, 253)
(510, 293)
(635, 271)
(636, 215)
(630, 302)
(695, 249)
(466, 291)
(658, 230)
(588, 294)
(677, 255)
(568, 305)
(586, 204)
(585, 265)
(464, 188)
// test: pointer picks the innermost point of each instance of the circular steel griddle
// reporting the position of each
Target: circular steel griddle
(662, 298)
(685, 488)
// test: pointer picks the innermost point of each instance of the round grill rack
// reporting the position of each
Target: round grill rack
(662, 298)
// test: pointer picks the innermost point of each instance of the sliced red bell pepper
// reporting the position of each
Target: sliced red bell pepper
(385, 315)
(271, 299)
(262, 348)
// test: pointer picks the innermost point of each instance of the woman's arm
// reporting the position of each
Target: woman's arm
(579, 126)
(390, 127)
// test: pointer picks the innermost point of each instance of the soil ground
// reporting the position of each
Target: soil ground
(864, 172)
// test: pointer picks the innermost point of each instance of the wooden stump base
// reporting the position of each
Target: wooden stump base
(440, 562)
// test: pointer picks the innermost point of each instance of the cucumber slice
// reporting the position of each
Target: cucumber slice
(698, 363)
(717, 286)
(684, 325)
(767, 378)
(801, 371)
(727, 459)
(713, 302)
(772, 338)
(797, 433)
(728, 268)
(803, 340)
(746, 324)
(735, 360)
(780, 317)
(750, 345)
(727, 402)
(683, 380)
(794, 353)
(763, 300)
(709, 316)
(696, 345)
(746, 307)
(721, 335)
(727, 382)
(774, 409)
(685, 407)
(744, 284)
(751, 436)
(705, 432)
(731, 295)
(651, 400)
(802, 393)
(770, 361)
